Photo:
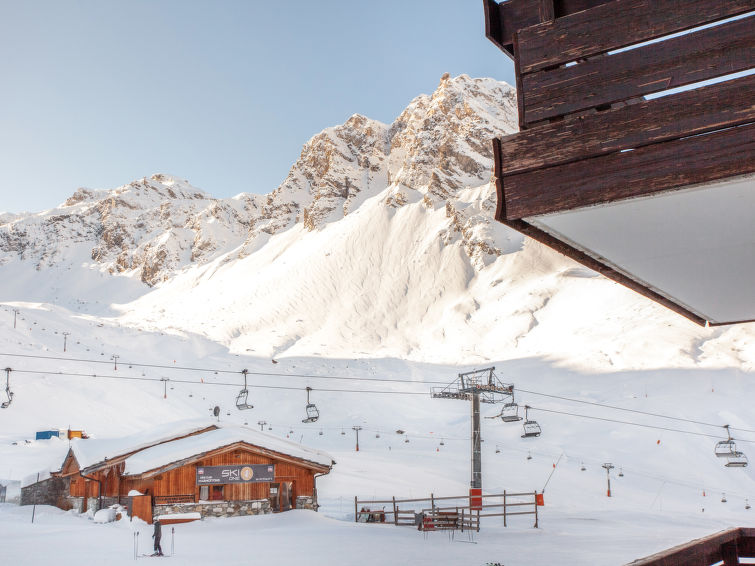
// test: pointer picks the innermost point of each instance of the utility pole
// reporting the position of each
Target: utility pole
(15, 313)
(65, 339)
(115, 357)
(478, 386)
(357, 429)
(262, 425)
(608, 466)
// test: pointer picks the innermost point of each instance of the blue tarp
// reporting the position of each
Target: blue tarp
(47, 434)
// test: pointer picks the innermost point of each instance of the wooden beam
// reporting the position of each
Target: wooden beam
(706, 109)
(503, 20)
(601, 81)
(615, 25)
(615, 176)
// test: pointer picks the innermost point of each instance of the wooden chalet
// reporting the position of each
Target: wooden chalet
(651, 185)
(210, 469)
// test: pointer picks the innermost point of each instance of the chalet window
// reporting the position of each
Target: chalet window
(204, 492)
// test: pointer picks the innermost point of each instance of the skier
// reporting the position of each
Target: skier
(157, 535)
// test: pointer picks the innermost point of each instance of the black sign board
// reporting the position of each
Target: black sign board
(250, 473)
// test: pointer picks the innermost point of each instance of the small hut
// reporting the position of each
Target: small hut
(188, 468)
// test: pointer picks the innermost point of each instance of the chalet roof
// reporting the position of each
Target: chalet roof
(184, 448)
(172, 442)
(89, 452)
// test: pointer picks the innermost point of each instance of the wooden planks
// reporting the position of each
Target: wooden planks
(694, 112)
(615, 25)
(644, 171)
(699, 56)
(504, 19)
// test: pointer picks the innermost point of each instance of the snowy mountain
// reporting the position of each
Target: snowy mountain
(376, 258)
(379, 242)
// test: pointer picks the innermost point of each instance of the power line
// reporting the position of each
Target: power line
(354, 378)
(659, 415)
(632, 423)
(217, 383)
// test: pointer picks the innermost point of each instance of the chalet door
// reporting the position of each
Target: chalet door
(285, 495)
(275, 497)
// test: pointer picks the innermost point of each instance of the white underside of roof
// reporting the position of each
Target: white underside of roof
(695, 246)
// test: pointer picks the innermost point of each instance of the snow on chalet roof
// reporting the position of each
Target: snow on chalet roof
(176, 450)
(89, 452)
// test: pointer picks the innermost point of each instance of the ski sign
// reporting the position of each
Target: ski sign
(250, 473)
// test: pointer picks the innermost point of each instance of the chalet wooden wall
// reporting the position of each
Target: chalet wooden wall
(182, 480)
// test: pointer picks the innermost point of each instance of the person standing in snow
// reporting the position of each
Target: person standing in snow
(157, 535)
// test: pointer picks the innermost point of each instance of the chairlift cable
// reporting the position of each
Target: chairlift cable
(355, 378)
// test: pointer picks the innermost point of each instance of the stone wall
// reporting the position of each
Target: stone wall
(216, 508)
(52, 491)
(305, 502)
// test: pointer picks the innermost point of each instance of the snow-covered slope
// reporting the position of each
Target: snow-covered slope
(376, 258)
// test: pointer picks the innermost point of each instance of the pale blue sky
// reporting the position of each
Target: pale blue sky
(222, 93)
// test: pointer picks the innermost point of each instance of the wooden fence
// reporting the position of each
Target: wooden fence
(410, 512)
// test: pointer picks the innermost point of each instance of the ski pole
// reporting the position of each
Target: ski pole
(172, 540)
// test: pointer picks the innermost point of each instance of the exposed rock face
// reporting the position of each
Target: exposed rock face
(151, 228)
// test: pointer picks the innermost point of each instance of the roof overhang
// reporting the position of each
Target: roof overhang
(652, 187)
(319, 468)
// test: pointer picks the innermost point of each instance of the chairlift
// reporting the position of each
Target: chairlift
(8, 392)
(377, 434)
(442, 443)
(510, 412)
(529, 456)
(531, 428)
(243, 396)
(747, 504)
(312, 413)
(736, 460)
(497, 450)
(723, 498)
(726, 448)
(582, 467)
(291, 430)
(342, 432)
(621, 472)
(320, 433)
(406, 439)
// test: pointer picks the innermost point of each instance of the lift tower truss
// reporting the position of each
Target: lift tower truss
(478, 386)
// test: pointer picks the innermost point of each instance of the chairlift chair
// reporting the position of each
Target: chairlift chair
(723, 498)
(582, 467)
(621, 472)
(377, 434)
(726, 448)
(242, 398)
(737, 460)
(531, 428)
(312, 413)
(320, 433)
(8, 392)
(442, 443)
(747, 504)
(529, 456)
(497, 450)
(510, 412)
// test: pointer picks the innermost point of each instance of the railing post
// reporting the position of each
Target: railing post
(535, 508)
(395, 512)
(504, 507)
(356, 514)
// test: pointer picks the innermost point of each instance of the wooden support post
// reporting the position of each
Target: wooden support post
(504, 507)
(356, 512)
(395, 512)
(535, 496)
